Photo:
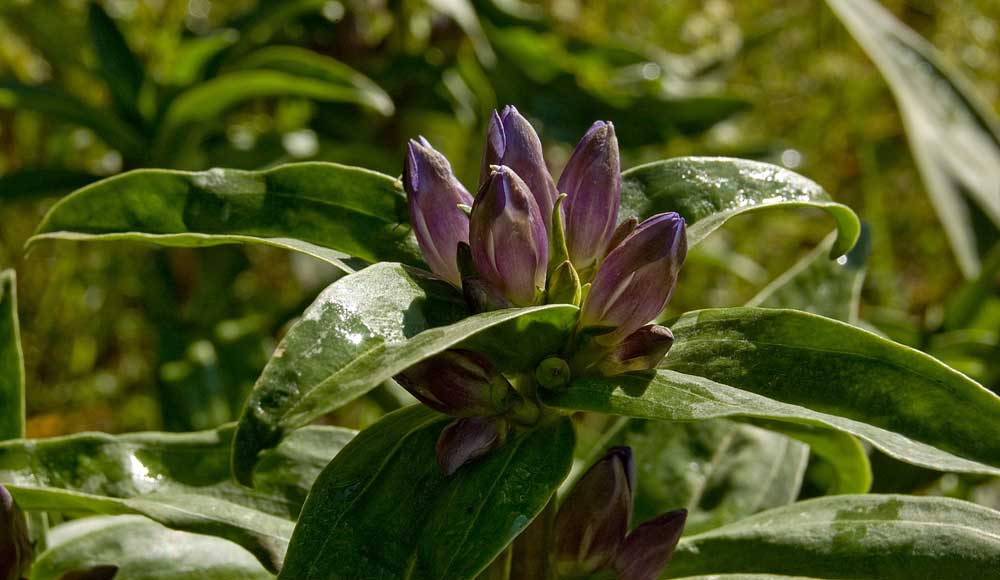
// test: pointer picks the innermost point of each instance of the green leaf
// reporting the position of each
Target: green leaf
(65, 107)
(831, 367)
(142, 549)
(674, 396)
(180, 480)
(748, 577)
(366, 328)
(306, 64)
(708, 191)
(864, 537)
(264, 535)
(194, 55)
(11, 361)
(954, 135)
(384, 509)
(463, 12)
(817, 284)
(118, 64)
(851, 470)
(297, 206)
(720, 470)
(139, 464)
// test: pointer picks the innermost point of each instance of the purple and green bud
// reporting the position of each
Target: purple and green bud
(636, 280)
(592, 180)
(640, 351)
(434, 195)
(507, 235)
(461, 383)
(594, 518)
(647, 550)
(621, 232)
(15, 545)
(467, 439)
(512, 141)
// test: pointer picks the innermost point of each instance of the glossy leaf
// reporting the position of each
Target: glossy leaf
(954, 135)
(817, 284)
(366, 328)
(62, 106)
(298, 206)
(11, 361)
(142, 549)
(139, 464)
(708, 191)
(441, 527)
(866, 537)
(674, 396)
(180, 480)
(719, 470)
(119, 66)
(835, 368)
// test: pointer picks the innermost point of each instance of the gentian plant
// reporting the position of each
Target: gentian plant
(545, 418)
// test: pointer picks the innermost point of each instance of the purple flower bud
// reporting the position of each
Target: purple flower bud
(512, 141)
(592, 180)
(510, 247)
(15, 545)
(593, 520)
(434, 195)
(636, 279)
(621, 232)
(460, 383)
(640, 351)
(465, 440)
(647, 550)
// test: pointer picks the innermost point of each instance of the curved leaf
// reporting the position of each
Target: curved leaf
(441, 527)
(954, 135)
(298, 206)
(141, 548)
(307, 64)
(366, 328)
(721, 471)
(835, 368)
(180, 480)
(265, 536)
(11, 361)
(817, 284)
(708, 191)
(866, 537)
(673, 396)
(138, 464)
(65, 107)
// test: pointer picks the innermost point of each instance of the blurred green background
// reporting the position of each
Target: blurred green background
(123, 337)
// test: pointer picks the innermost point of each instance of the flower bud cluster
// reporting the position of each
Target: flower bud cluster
(592, 526)
(522, 241)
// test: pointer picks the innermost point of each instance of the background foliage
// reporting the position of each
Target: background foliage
(129, 337)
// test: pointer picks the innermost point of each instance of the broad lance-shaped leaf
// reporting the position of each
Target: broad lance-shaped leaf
(366, 328)
(831, 367)
(138, 464)
(263, 535)
(180, 480)
(954, 135)
(720, 470)
(141, 548)
(441, 527)
(863, 537)
(297, 206)
(11, 361)
(121, 69)
(708, 191)
(673, 396)
(817, 284)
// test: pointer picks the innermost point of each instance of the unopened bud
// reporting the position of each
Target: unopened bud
(647, 550)
(640, 351)
(553, 373)
(563, 285)
(460, 383)
(467, 439)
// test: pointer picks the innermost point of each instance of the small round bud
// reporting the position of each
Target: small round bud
(553, 373)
